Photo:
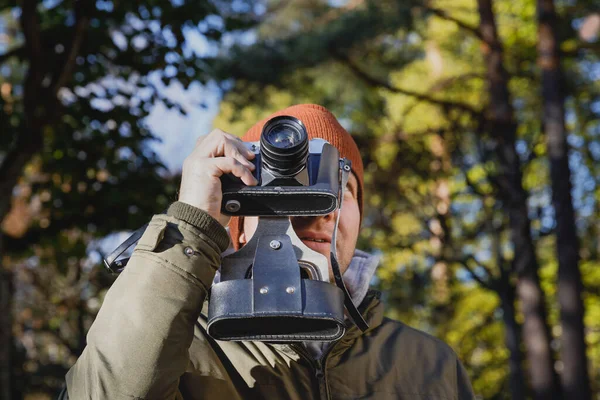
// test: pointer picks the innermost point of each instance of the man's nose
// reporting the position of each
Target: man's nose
(306, 221)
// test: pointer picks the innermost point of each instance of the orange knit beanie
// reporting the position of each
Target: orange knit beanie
(319, 123)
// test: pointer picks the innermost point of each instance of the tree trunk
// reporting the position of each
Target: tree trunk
(29, 141)
(512, 338)
(509, 180)
(574, 377)
(6, 344)
(512, 329)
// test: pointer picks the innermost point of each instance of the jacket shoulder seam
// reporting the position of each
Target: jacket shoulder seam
(174, 268)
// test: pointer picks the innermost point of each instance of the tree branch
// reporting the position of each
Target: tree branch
(18, 52)
(31, 30)
(489, 318)
(444, 15)
(29, 138)
(488, 283)
(420, 96)
(594, 47)
(445, 83)
(82, 20)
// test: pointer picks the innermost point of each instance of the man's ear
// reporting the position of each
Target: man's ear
(242, 238)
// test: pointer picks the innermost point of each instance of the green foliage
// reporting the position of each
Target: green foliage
(413, 94)
(404, 77)
(102, 66)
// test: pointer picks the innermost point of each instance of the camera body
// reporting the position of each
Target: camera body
(297, 176)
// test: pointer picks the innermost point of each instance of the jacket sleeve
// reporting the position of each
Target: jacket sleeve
(137, 348)
(464, 389)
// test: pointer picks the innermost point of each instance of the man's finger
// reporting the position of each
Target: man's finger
(211, 139)
(229, 165)
(236, 150)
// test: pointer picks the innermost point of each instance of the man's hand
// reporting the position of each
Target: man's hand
(215, 154)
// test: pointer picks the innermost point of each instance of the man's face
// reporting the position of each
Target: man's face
(315, 232)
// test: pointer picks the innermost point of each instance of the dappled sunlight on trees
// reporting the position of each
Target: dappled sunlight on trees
(445, 98)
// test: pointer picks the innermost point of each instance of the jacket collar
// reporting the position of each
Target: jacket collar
(359, 274)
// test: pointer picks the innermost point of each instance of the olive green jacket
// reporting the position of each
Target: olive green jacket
(149, 339)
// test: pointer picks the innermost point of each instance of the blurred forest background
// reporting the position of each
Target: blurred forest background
(479, 122)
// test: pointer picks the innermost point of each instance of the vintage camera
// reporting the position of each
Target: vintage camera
(296, 176)
(275, 288)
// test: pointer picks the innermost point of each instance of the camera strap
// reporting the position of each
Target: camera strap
(335, 267)
(117, 266)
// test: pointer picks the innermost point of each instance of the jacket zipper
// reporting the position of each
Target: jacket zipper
(319, 366)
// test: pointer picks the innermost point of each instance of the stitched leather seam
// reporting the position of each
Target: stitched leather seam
(333, 316)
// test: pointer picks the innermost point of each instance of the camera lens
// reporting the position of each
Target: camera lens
(284, 146)
(283, 137)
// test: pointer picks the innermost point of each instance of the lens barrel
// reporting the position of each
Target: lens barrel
(284, 146)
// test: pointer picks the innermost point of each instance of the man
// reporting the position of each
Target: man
(149, 340)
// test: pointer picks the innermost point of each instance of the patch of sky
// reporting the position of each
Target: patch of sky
(125, 153)
(196, 44)
(463, 275)
(594, 148)
(156, 12)
(522, 147)
(119, 100)
(337, 3)
(66, 96)
(575, 140)
(135, 22)
(468, 209)
(240, 6)
(119, 39)
(570, 117)
(170, 71)
(139, 42)
(51, 3)
(5, 70)
(483, 252)
(518, 103)
(548, 222)
(178, 133)
(97, 89)
(595, 73)
(102, 104)
(260, 9)
(169, 37)
(212, 21)
(413, 38)
(469, 159)
(70, 20)
(539, 198)
(95, 124)
(105, 5)
(125, 129)
(172, 57)
(246, 38)
(144, 12)
(583, 183)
